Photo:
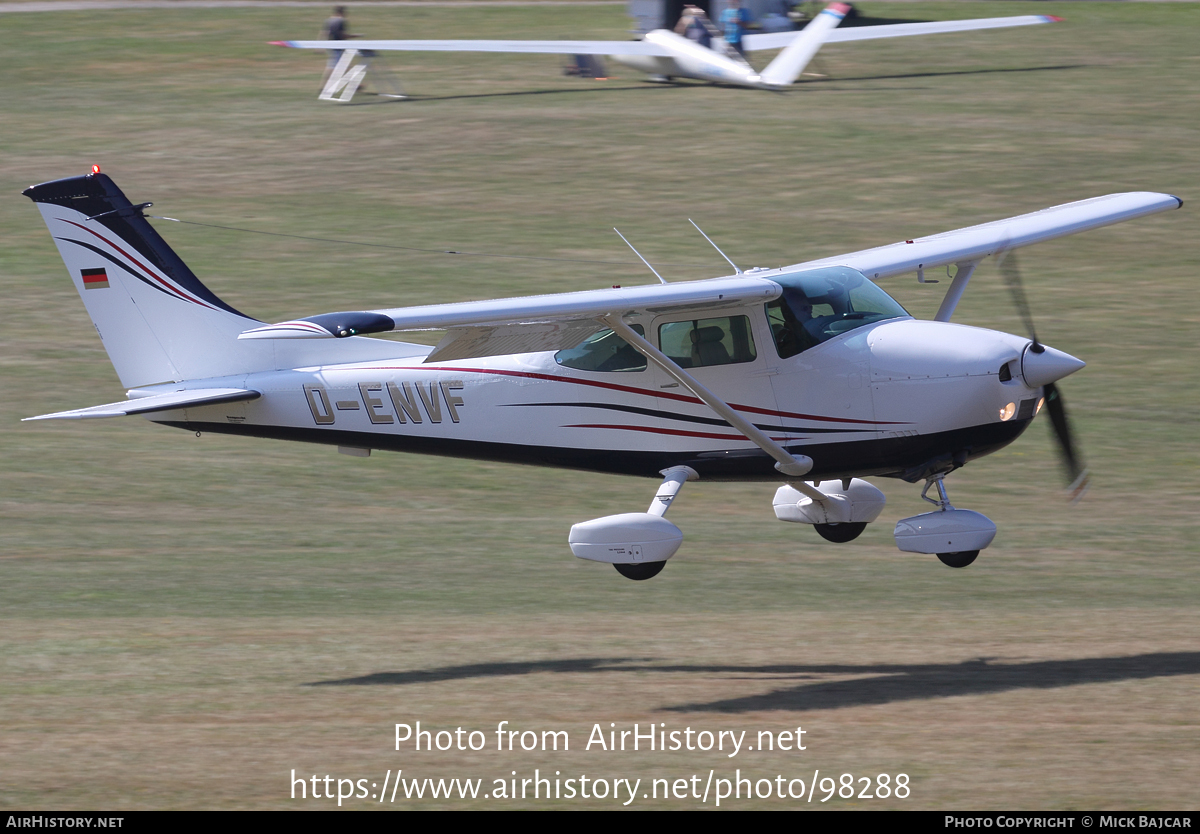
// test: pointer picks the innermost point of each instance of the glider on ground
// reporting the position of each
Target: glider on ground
(809, 376)
(664, 55)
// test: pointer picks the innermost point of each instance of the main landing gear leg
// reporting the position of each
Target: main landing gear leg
(955, 536)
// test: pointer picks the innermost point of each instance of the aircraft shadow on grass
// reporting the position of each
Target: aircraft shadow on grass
(873, 684)
(900, 75)
(600, 88)
(371, 99)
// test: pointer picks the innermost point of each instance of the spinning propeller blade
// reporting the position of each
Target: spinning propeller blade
(1006, 259)
(1077, 474)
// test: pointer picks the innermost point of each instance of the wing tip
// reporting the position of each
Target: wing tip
(1051, 18)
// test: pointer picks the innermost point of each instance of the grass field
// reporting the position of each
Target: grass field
(176, 611)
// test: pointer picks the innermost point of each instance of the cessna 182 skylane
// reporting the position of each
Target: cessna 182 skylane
(664, 55)
(809, 375)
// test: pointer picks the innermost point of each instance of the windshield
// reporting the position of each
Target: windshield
(818, 305)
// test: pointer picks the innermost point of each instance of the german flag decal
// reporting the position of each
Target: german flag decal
(95, 279)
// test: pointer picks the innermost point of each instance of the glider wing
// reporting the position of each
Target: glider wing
(778, 40)
(548, 47)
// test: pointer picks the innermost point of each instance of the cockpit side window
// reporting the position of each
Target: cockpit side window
(699, 343)
(603, 351)
(819, 305)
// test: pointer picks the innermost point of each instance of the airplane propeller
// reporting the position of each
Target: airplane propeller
(1077, 474)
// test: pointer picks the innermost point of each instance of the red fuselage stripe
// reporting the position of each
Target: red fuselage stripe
(629, 389)
(677, 432)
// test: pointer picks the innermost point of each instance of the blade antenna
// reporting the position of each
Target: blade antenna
(639, 254)
(714, 246)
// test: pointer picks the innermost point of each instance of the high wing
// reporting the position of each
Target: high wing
(531, 310)
(548, 47)
(519, 325)
(155, 402)
(778, 40)
(974, 243)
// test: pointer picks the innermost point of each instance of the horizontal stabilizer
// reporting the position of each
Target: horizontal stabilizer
(155, 402)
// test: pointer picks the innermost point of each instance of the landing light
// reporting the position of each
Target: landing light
(1041, 402)
(1008, 411)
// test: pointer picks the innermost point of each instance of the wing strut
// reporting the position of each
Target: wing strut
(962, 274)
(791, 465)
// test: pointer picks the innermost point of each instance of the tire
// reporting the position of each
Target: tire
(640, 571)
(841, 533)
(960, 559)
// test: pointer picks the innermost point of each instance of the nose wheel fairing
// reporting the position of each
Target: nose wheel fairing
(954, 536)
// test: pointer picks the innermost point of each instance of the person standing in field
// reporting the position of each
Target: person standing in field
(693, 25)
(733, 21)
(334, 30)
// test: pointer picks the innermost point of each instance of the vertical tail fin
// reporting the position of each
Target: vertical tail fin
(789, 63)
(157, 321)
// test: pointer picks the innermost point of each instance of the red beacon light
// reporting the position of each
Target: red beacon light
(95, 169)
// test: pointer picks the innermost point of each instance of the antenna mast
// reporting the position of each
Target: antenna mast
(639, 254)
(714, 246)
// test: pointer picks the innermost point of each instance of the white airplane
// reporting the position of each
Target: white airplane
(809, 376)
(666, 55)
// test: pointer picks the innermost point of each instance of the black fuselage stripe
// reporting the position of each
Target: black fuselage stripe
(686, 418)
(853, 458)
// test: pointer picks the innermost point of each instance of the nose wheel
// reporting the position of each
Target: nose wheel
(639, 571)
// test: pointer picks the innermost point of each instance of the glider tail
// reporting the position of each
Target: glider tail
(789, 63)
(156, 320)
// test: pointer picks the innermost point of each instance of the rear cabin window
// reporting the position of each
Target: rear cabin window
(603, 351)
(700, 343)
